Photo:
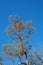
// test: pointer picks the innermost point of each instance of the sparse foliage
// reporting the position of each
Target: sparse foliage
(20, 32)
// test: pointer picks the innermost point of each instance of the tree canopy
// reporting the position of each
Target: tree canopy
(19, 32)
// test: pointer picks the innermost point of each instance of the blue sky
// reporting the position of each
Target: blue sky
(26, 9)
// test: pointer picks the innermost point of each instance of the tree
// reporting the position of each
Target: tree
(19, 32)
(1, 59)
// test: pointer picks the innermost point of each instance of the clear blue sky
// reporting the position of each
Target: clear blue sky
(26, 9)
